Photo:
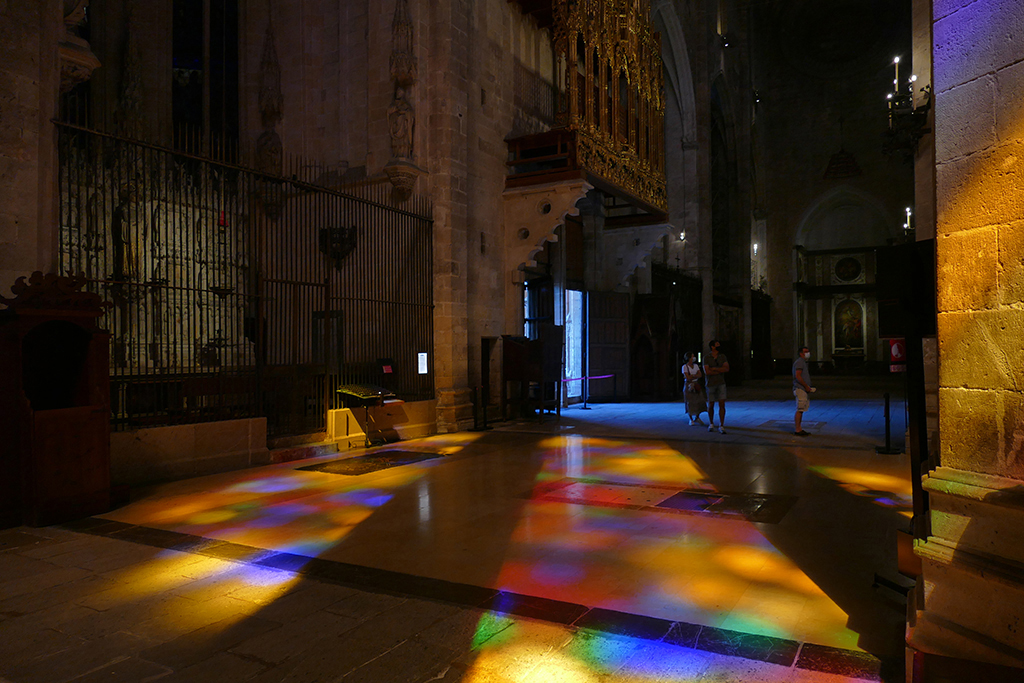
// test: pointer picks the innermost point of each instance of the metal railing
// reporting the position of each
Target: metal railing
(237, 293)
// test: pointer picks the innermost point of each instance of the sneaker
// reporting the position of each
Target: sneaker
(802, 433)
(692, 422)
(711, 427)
(721, 430)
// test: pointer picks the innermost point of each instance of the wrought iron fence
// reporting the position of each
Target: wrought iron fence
(237, 293)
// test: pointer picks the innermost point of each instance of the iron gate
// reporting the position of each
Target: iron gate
(237, 293)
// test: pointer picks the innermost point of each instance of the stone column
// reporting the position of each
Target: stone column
(447, 101)
(973, 581)
(924, 191)
(701, 154)
(30, 70)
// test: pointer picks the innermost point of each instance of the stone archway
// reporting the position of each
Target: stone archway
(845, 218)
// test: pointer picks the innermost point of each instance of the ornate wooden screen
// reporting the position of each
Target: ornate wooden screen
(611, 92)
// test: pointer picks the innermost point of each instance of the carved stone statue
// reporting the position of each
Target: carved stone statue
(400, 169)
(401, 124)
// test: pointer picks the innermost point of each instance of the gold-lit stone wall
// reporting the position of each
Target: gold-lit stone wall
(972, 585)
(979, 121)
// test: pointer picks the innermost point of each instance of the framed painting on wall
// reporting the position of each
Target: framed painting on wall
(848, 325)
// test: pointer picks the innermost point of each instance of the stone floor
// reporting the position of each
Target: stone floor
(616, 544)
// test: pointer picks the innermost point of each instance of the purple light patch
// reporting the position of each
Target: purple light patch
(557, 574)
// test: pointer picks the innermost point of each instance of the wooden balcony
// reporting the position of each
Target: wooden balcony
(634, 196)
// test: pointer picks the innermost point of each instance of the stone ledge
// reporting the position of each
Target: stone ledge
(987, 488)
(980, 564)
(933, 634)
(972, 605)
(978, 514)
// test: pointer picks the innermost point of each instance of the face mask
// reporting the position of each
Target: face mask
(806, 355)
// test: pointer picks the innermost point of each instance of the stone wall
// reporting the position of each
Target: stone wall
(30, 74)
(979, 120)
(145, 456)
(509, 94)
(973, 581)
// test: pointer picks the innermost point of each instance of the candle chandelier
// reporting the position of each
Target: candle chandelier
(908, 122)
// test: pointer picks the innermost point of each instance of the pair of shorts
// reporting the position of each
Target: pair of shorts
(802, 402)
(716, 392)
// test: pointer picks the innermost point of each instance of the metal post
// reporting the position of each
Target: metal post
(887, 449)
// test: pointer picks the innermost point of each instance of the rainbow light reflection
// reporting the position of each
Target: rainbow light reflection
(698, 569)
(886, 490)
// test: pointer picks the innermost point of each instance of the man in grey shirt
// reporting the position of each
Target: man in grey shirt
(715, 367)
(801, 387)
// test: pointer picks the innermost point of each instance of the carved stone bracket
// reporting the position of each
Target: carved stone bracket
(77, 62)
(532, 214)
(629, 249)
(403, 174)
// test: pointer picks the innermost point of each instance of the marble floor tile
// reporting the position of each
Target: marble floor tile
(398, 566)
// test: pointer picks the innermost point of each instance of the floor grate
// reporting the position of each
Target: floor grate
(372, 462)
(752, 507)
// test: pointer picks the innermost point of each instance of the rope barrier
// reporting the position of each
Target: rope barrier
(577, 379)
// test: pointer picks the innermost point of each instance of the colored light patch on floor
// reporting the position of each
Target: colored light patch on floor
(191, 576)
(277, 508)
(703, 570)
(886, 490)
(764, 508)
(687, 570)
(625, 462)
(540, 653)
(477, 527)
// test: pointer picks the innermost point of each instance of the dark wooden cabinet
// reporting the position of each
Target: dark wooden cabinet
(54, 403)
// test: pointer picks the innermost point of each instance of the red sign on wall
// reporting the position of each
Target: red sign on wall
(897, 355)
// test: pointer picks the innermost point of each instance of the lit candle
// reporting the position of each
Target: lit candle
(896, 81)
